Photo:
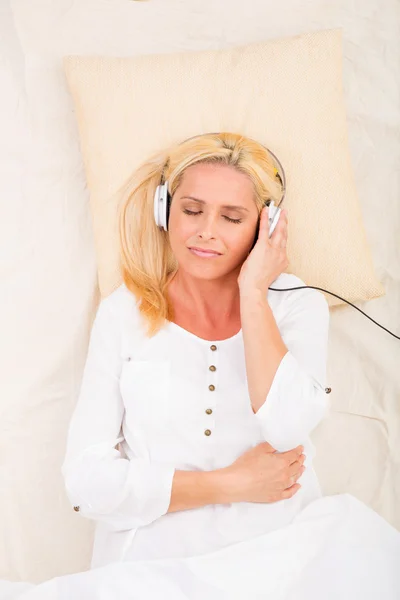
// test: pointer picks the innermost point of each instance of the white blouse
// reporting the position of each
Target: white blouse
(148, 406)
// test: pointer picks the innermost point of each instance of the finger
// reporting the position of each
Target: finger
(280, 233)
(294, 459)
(283, 216)
(293, 479)
(281, 228)
(284, 232)
(296, 464)
(296, 469)
(289, 492)
(292, 455)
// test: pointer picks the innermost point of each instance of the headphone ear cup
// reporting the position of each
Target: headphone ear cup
(167, 209)
(161, 208)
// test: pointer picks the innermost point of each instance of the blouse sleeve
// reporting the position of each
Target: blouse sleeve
(297, 401)
(100, 483)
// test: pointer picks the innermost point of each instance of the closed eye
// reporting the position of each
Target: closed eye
(190, 212)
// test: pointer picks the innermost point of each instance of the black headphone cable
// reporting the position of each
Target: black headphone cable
(332, 294)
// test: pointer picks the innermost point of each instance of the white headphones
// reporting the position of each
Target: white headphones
(162, 200)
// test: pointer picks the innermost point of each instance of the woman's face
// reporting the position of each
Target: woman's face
(212, 209)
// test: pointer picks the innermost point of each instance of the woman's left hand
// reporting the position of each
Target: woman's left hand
(268, 258)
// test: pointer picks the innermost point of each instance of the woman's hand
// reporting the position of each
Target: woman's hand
(263, 475)
(268, 258)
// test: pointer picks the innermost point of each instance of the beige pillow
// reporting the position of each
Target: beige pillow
(286, 93)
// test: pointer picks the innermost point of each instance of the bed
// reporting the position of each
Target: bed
(48, 267)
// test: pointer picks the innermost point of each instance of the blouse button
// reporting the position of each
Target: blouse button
(76, 508)
(211, 387)
(209, 411)
(207, 432)
(212, 368)
(213, 347)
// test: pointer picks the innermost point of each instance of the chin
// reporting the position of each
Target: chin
(206, 272)
(203, 272)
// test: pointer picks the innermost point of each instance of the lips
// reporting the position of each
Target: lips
(203, 252)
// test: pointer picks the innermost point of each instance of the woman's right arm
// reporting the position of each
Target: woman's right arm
(100, 483)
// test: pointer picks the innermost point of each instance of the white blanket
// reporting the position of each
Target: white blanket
(336, 549)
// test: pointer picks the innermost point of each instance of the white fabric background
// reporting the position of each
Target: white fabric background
(48, 267)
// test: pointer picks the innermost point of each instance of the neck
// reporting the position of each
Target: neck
(208, 299)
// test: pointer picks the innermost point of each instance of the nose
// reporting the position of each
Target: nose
(207, 227)
(205, 235)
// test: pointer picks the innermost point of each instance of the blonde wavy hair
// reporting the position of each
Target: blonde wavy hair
(147, 262)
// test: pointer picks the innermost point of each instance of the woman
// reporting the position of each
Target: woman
(189, 444)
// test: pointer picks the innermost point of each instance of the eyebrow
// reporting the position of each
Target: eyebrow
(232, 206)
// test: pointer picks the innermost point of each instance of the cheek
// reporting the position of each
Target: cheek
(239, 241)
(180, 231)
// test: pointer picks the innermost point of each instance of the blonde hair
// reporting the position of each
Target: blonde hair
(147, 262)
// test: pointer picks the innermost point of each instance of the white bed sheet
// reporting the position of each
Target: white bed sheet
(48, 266)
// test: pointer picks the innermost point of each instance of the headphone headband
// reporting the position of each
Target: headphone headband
(162, 195)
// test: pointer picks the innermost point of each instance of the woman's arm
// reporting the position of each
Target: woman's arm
(192, 489)
(286, 366)
(258, 475)
(100, 483)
